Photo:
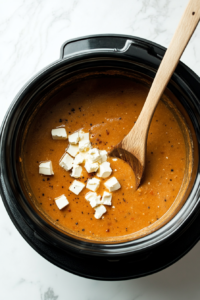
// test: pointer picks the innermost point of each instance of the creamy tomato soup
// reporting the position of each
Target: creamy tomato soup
(107, 108)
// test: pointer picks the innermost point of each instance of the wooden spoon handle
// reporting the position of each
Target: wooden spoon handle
(185, 29)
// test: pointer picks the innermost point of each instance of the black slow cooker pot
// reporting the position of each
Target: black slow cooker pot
(127, 260)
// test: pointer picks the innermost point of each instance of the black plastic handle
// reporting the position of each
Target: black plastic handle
(100, 43)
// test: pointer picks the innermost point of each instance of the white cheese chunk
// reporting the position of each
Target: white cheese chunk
(73, 150)
(84, 135)
(107, 198)
(76, 171)
(76, 187)
(79, 159)
(59, 134)
(66, 162)
(91, 167)
(61, 201)
(94, 155)
(104, 170)
(93, 184)
(46, 168)
(104, 155)
(84, 155)
(74, 138)
(90, 195)
(84, 145)
(93, 199)
(99, 211)
(112, 184)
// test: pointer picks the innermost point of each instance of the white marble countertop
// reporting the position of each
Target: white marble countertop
(31, 33)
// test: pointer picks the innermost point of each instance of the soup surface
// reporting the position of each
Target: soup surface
(106, 108)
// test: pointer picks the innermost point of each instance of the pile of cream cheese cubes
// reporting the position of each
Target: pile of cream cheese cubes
(80, 152)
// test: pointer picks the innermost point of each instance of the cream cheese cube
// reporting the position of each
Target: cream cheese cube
(84, 155)
(93, 199)
(99, 211)
(84, 135)
(76, 171)
(74, 138)
(104, 170)
(73, 150)
(66, 162)
(93, 184)
(46, 168)
(104, 155)
(79, 159)
(61, 201)
(76, 187)
(112, 184)
(90, 195)
(91, 167)
(106, 199)
(94, 155)
(59, 133)
(84, 145)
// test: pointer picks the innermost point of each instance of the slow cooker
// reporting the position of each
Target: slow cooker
(116, 55)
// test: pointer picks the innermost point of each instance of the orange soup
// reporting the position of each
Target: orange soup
(106, 108)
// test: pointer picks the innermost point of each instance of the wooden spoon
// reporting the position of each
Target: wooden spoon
(132, 148)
